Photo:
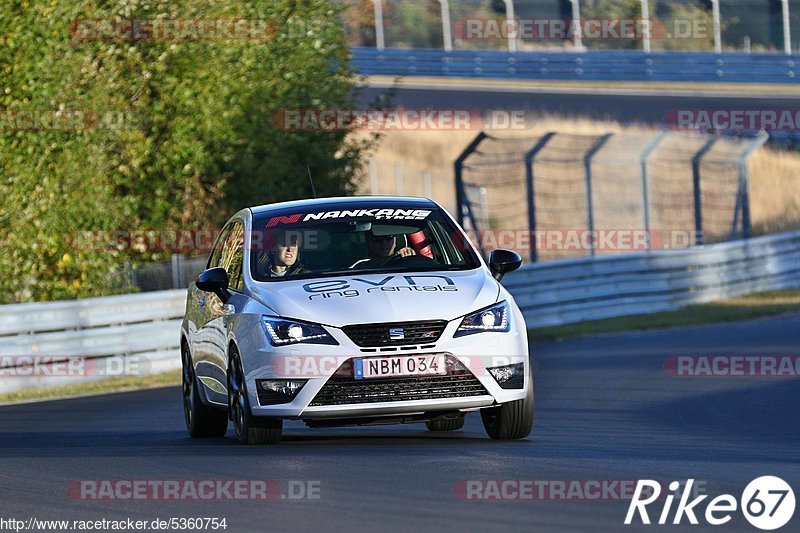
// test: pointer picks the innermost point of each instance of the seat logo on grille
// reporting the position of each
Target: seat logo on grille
(396, 334)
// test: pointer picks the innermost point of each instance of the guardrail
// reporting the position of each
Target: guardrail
(619, 65)
(575, 290)
(145, 326)
(114, 331)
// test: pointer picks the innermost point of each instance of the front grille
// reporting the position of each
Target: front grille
(343, 388)
(380, 334)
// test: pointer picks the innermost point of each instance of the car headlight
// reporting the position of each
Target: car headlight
(282, 331)
(493, 318)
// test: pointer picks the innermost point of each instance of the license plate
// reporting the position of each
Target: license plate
(388, 367)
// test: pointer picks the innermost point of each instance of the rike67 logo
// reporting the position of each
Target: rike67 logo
(767, 503)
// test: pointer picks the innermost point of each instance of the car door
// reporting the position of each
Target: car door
(211, 338)
(231, 259)
(197, 312)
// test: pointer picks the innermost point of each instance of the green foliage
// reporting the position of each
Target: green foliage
(185, 133)
(675, 25)
(418, 23)
(622, 10)
(694, 20)
(413, 24)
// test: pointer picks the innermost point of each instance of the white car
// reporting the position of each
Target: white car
(352, 311)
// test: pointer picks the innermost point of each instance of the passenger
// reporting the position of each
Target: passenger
(381, 250)
(283, 257)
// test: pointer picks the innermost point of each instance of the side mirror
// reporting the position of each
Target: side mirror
(501, 262)
(214, 280)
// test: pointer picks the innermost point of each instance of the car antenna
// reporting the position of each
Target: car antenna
(313, 191)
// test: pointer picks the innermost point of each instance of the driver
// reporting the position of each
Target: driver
(381, 249)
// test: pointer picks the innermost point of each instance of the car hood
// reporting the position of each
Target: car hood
(370, 298)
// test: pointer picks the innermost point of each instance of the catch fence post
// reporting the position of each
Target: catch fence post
(587, 174)
(698, 200)
(648, 150)
(529, 157)
(743, 195)
(459, 174)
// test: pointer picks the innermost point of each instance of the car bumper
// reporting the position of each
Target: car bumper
(318, 363)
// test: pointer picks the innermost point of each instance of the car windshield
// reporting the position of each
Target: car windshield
(360, 240)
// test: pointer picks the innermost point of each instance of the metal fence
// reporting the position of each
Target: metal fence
(664, 190)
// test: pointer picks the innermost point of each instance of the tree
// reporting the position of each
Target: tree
(178, 131)
(675, 26)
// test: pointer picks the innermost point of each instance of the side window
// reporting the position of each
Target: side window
(213, 260)
(451, 254)
(232, 255)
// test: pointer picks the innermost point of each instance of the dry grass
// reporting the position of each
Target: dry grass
(117, 384)
(775, 191)
(741, 308)
(775, 196)
(617, 87)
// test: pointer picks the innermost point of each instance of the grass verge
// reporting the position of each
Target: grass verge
(752, 306)
(118, 384)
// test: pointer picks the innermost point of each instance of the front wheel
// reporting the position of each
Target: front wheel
(512, 420)
(201, 420)
(248, 429)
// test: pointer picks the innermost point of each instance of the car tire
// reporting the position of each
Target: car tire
(201, 420)
(445, 424)
(512, 420)
(248, 428)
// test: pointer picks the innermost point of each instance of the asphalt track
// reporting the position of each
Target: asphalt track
(606, 410)
(626, 106)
